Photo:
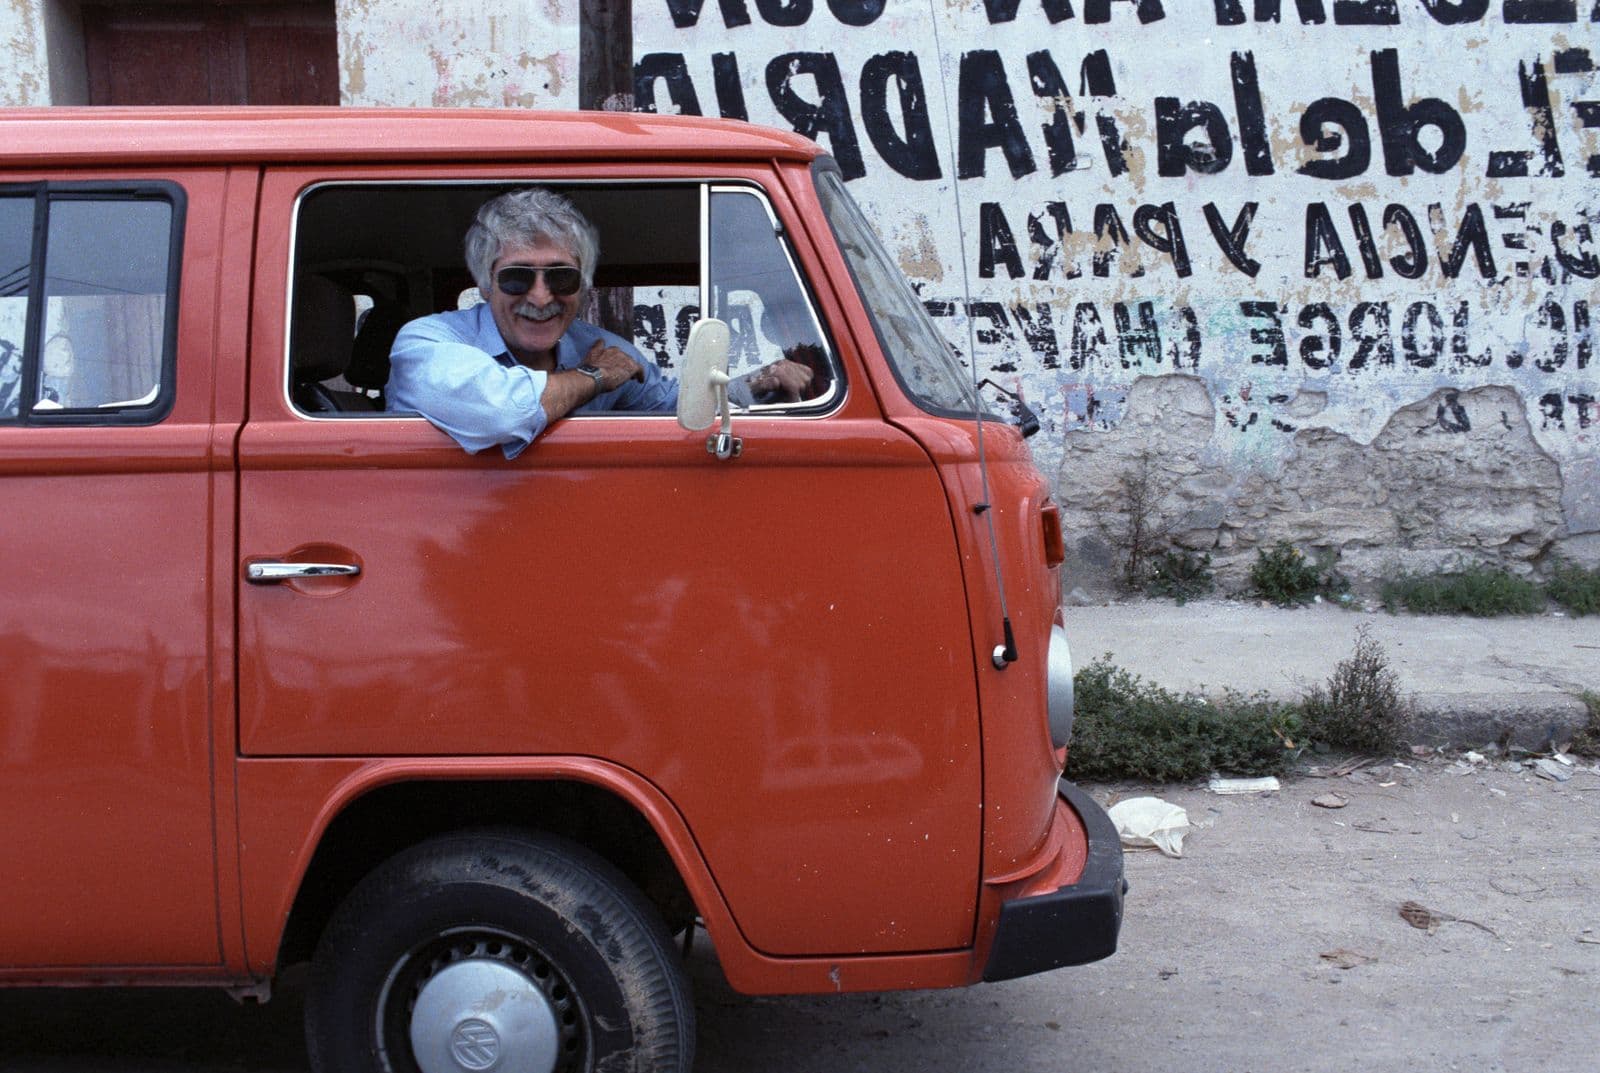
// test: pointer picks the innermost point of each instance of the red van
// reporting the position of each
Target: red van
(290, 676)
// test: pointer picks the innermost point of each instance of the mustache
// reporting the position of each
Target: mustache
(528, 309)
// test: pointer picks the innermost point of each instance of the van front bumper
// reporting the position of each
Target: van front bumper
(1071, 925)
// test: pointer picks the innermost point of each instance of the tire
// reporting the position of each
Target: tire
(516, 952)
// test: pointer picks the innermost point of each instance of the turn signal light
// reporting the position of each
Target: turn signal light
(1055, 546)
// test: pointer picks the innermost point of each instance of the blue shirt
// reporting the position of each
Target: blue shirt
(455, 370)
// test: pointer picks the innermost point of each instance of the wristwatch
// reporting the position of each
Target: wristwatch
(594, 374)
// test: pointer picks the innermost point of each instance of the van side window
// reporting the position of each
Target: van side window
(757, 290)
(87, 316)
(369, 257)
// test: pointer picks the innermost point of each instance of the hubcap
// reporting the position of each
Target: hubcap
(479, 1002)
(479, 1015)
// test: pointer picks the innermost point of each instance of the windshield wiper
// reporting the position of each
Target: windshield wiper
(1026, 420)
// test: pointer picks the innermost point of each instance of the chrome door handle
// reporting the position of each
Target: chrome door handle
(265, 573)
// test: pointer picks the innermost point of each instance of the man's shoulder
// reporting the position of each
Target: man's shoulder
(461, 324)
(583, 335)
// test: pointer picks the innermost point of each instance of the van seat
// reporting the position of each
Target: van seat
(322, 336)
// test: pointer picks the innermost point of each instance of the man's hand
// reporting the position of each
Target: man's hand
(785, 378)
(567, 389)
(617, 366)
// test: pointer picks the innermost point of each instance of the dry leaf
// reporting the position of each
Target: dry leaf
(1330, 801)
(1420, 916)
(1346, 959)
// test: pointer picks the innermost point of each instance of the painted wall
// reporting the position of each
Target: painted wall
(24, 53)
(442, 54)
(1332, 263)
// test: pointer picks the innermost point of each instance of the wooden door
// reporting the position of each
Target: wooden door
(217, 53)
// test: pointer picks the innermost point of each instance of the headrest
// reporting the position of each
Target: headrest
(323, 329)
(369, 360)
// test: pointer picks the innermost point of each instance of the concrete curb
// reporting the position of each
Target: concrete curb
(1475, 719)
(1470, 680)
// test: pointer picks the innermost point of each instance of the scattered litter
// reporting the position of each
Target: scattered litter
(1497, 791)
(1420, 916)
(1330, 801)
(1221, 785)
(1422, 752)
(1473, 757)
(1563, 758)
(1341, 771)
(1150, 821)
(1408, 767)
(1391, 782)
(1549, 769)
(1460, 768)
(1346, 959)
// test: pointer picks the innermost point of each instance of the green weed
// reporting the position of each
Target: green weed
(1180, 575)
(1129, 728)
(1479, 590)
(1283, 575)
(1574, 588)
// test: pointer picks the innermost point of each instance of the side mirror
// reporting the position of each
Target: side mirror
(703, 386)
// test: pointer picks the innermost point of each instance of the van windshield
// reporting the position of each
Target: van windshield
(922, 360)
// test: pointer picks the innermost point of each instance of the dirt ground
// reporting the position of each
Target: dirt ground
(1223, 967)
(1230, 959)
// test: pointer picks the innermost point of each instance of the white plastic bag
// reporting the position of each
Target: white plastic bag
(1150, 821)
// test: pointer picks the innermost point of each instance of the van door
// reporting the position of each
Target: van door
(110, 497)
(778, 641)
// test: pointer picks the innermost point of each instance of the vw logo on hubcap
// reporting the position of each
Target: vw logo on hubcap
(475, 1045)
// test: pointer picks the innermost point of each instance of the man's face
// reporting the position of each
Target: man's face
(532, 323)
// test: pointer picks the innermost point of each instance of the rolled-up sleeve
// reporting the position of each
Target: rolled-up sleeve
(464, 391)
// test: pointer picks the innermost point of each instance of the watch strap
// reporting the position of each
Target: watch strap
(594, 374)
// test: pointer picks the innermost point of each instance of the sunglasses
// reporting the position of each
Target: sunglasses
(560, 280)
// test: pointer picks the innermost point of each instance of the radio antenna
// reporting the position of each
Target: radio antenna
(1005, 653)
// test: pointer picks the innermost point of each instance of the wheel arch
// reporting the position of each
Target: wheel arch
(615, 814)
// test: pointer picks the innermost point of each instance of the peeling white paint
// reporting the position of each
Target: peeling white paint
(432, 53)
(24, 59)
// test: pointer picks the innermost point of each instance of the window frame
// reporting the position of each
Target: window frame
(837, 390)
(826, 165)
(703, 187)
(43, 195)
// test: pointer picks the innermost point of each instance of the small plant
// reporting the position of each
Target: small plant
(1574, 588)
(1180, 575)
(1140, 493)
(1283, 575)
(1129, 728)
(1586, 742)
(1360, 708)
(1479, 590)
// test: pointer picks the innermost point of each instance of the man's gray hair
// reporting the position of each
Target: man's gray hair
(524, 218)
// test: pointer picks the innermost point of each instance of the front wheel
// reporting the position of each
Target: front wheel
(520, 954)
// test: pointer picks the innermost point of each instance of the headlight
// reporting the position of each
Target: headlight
(1060, 687)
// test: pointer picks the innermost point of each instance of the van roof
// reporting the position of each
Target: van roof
(245, 134)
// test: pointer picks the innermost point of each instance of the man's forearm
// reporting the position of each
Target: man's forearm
(565, 391)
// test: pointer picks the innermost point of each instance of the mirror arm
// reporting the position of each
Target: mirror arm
(724, 444)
